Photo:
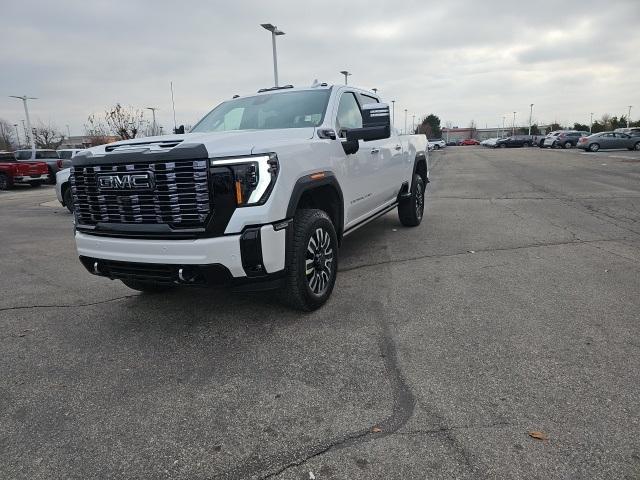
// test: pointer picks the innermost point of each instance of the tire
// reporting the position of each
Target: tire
(637, 146)
(436, 147)
(312, 261)
(147, 287)
(526, 144)
(567, 145)
(503, 145)
(411, 210)
(68, 199)
(52, 177)
(4, 182)
(35, 184)
(594, 147)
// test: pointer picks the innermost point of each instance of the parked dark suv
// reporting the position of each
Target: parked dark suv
(564, 138)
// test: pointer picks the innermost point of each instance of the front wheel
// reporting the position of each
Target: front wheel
(436, 147)
(568, 145)
(312, 260)
(410, 210)
(594, 147)
(637, 146)
(147, 287)
(68, 199)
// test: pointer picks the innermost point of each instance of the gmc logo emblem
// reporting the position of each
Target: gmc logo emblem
(126, 181)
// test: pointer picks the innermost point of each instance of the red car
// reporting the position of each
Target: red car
(470, 141)
(12, 172)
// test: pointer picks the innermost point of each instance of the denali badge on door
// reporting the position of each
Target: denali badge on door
(126, 181)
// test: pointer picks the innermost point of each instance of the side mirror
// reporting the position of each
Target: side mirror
(376, 123)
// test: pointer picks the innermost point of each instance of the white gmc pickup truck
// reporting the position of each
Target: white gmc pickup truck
(258, 195)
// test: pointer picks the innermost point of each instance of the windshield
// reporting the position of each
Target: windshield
(297, 109)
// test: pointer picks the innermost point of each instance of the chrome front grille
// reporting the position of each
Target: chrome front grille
(179, 197)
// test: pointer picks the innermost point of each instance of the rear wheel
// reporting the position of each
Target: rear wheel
(312, 260)
(637, 146)
(410, 210)
(147, 287)
(436, 147)
(4, 182)
(594, 147)
(568, 145)
(526, 144)
(503, 145)
(52, 177)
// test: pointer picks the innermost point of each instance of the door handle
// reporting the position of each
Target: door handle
(398, 147)
(375, 150)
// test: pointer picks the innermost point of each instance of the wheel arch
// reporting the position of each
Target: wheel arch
(420, 167)
(319, 190)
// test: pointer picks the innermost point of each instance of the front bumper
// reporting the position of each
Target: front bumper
(31, 178)
(255, 254)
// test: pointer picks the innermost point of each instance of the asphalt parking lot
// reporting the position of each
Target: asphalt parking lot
(512, 309)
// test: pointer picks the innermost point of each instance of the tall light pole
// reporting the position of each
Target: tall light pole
(15, 125)
(591, 123)
(629, 116)
(393, 113)
(513, 125)
(530, 117)
(502, 131)
(346, 75)
(413, 128)
(173, 105)
(24, 99)
(274, 33)
(405, 121)
(153, 112)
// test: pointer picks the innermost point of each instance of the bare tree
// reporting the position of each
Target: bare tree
(606, 120)
(126, 122)
(97, 131)
(47, 136)
(7, 136)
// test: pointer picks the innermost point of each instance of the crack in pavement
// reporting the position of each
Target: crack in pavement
(488, 250)
(27, 307)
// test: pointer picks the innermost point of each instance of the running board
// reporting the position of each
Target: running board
(370, 219)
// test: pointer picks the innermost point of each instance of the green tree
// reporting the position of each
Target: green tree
(430, 126)
(555, 126)
(581, 127)
(597, 127)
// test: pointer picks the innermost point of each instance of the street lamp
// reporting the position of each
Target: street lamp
(502, 131)
(274, 33)
(24, 99)
(513, 126)
(346, 74)
(393, 113)
(153, 112)
(591, 123)
(530, 116)
(413, 124)
(15, 125)
(405, 121)
(629, 116)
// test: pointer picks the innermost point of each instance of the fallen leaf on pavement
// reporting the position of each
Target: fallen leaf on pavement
(539, 435)
(376, 429)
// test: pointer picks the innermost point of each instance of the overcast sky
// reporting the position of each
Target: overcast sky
(461, 60)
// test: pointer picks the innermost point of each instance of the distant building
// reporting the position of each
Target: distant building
(84, 141)
(455, 134)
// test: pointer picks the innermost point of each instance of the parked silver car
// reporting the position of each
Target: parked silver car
(608, 140)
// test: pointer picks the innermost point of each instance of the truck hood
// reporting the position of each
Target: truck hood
(221, 144)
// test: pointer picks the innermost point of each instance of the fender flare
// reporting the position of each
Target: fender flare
(421, 157)
(312, 182)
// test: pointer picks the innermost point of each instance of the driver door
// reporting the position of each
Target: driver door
(359, 193)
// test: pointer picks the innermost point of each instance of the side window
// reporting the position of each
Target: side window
(366, 99)
(349, 115)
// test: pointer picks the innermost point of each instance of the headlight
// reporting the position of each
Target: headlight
(253, 177)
